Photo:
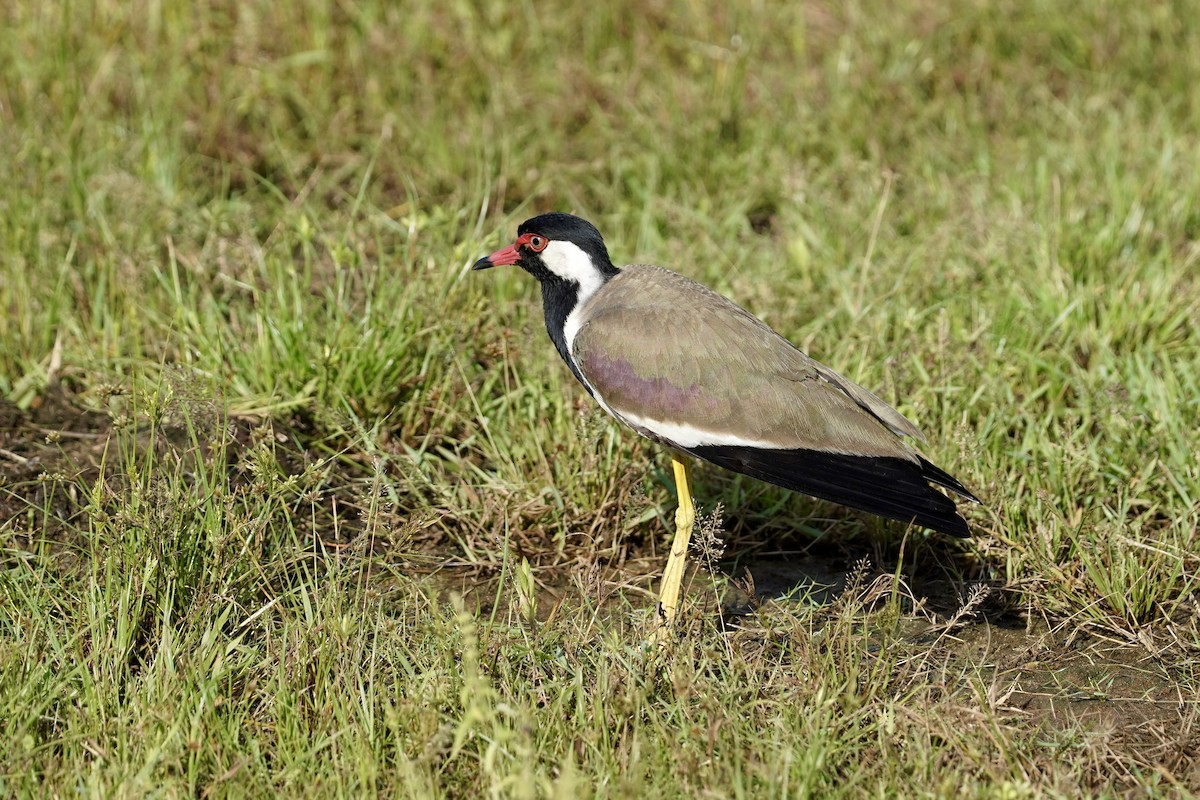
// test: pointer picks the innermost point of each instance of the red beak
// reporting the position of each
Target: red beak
(500, 258)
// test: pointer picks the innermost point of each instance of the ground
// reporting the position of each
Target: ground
(293, 503)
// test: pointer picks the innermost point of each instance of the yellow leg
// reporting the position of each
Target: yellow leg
(685, 516)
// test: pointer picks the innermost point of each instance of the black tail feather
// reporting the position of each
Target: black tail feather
(942, 478)
(895, 488)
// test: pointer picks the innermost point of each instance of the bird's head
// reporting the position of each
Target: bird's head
(556, 248)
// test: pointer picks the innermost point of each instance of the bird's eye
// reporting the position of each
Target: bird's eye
(537, 243)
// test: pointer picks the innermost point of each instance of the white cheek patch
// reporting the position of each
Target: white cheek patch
(569, 262)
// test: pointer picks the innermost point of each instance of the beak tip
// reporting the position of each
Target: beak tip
(500, 258)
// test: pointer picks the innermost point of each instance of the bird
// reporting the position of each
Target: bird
(690, 369)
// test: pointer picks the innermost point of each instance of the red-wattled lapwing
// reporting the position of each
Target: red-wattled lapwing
(688, 368)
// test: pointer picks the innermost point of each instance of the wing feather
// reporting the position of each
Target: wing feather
(658, 346)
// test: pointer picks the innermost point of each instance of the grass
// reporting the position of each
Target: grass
(290, 502)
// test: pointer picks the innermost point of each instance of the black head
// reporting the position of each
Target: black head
(557, 247)
(569, 259)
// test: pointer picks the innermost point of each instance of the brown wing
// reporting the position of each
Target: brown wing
(658, 346)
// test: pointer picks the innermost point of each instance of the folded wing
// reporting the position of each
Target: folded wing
(686, 366)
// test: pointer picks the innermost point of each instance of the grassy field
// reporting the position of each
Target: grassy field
(291, 502)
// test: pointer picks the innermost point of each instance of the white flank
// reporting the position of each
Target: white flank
(567, 261)
(687, 436)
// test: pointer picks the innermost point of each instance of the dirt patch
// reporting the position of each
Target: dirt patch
(1121, 695)
(60, 461)
(46, 455)
(1131, 701)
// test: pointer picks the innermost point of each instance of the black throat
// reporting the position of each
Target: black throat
(559, 298)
